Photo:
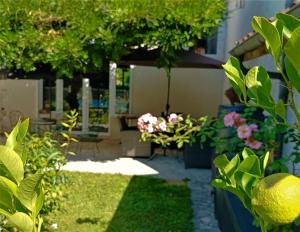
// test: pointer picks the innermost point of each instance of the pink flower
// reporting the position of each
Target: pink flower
(145, 118)
(147, 123)
(231, 118)
(244, 131)
(173, 118)
(239, 122)
(162, 126)
(150, 128)
(153, 120)
(254, 127)
(254, 144)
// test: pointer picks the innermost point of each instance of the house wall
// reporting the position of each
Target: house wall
(193, 91)
(18, 95)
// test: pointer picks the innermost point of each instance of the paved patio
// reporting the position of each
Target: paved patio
(106, 157)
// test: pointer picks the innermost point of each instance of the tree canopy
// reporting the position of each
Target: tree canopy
(79, 35)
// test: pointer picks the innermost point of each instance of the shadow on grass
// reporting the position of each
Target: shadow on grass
(153, 205)
(88, 220)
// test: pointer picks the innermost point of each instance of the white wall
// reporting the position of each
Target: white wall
(20, 95)
(193, 91)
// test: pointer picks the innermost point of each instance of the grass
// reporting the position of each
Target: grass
(117, 203)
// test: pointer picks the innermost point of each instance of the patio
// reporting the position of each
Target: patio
(192, 154)
(106, 157)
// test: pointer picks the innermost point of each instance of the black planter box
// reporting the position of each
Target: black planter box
(196, 156)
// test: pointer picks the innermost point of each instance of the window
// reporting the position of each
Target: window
(122, 90)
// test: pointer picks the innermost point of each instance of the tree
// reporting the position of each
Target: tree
(81, 35)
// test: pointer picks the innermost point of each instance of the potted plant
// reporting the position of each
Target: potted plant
(180, 130)
(279, 209)
(233, 132)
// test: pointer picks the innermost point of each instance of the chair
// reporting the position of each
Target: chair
(130, 140)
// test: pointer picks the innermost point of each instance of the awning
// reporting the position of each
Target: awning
(185, 59)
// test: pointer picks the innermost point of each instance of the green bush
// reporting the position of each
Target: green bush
(21, 196)
(45, 156)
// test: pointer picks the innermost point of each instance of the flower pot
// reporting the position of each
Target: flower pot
(196, 156)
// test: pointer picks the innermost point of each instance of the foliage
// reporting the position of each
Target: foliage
(69, 125)
(280, 165)
(234, 131)
(282, 40)
(46, 155)
(176, 129)
(239, 176)
(254, 88)
(21, 196)
(53, 32)
(110, 203)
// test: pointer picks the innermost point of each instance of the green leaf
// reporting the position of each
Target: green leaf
(9, 185)
(180, 144)
(292, 49)
(23, 128)
(16, 137)
(250, 165)
(74, 140)
(22, 221)
(279, 26)
(64, 145)
(259, 88)
(71, 153)
(280, 109)
(6, 198)
(28, 191)
(247, 181)
(264, 162)
(292, 74)
(247, 152)
(219, 183)
(231, 167)
(290, 23)
(12, 162)
(270, 34)
(221, 161)
(11, 141)
(18, 134)
(65, 135)
(65, 125)
(39, 202)
(4, 212)
(236, 77)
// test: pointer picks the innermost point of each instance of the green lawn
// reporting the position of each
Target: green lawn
(116, 203)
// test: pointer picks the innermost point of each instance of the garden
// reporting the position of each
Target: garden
(36, 195)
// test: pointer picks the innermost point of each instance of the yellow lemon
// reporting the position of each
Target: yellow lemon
(276, 198)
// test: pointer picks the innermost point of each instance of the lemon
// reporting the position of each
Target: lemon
(276, 198)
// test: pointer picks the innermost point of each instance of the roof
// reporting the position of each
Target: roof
(185, 59)
(252, 41)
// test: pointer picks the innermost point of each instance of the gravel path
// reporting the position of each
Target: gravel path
(169, 167)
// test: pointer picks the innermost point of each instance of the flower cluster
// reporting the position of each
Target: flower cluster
(151, 124)
(244, 131)
(171, 129)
